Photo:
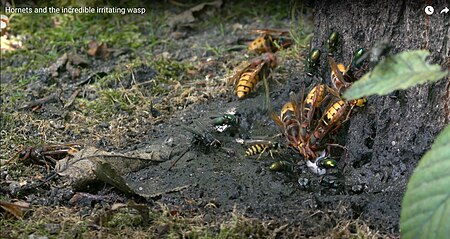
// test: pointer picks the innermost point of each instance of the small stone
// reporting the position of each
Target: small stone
(357, 189)
(33, 236)
(303, 182)
(53, 228)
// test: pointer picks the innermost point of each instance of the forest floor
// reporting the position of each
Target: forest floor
(154, 75)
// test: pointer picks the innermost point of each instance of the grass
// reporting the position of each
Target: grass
(160, 222)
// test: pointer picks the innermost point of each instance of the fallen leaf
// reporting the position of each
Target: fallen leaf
(78, 60)
(98, 50)
(92, 164)
(92, 48)
(73, 70)
(178, 35)
(103, 51)
(188, 17)
(16, 209)
(56, 66)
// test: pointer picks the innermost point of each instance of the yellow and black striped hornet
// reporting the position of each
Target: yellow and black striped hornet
(336, 113)
(306, 130)
(250, 73)
(295, 122)
(260, 147)
(313, 101)
(311, 107)
(289, 123)
(270, 40)
(342, 76)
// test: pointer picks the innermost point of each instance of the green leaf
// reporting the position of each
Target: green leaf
(396, 72)
(426, 204)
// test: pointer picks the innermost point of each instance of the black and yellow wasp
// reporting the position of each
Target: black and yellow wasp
(260, 146)
(299, 124)
(248, 74)
(343, 76)
(270, 41)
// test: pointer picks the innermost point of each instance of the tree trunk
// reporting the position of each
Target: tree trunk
(387, 138)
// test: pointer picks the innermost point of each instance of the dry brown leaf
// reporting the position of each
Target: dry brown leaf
(90, 164)
(92, 48)
(98, 50)
(56, 66)
(16, 209)
(188, 17)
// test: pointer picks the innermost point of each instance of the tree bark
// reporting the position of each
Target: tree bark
(387, 138)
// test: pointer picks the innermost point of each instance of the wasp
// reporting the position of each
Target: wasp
(312, 62)
(342, 77)
(302, 128)
(337, 113)
(251, 73)
(47, 153)
(295, 125)
(260, 147)
(314, 100)
(270, 40)
(332, 42)
(310, 107)
(202, 138)
(288, 122)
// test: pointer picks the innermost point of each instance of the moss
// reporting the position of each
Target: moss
(124, 219)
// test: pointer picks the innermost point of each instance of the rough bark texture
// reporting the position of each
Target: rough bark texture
(392, 134)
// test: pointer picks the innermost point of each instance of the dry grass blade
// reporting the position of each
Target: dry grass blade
(15, 209)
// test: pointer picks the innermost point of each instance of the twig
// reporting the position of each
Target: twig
(72, 98)
(48, 99)
(182, 154)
